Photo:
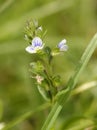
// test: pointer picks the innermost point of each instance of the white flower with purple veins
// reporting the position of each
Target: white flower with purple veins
(36, 45)
(62, 45)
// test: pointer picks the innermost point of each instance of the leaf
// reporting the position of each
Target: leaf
(60, 93)
(43, 93)
(56, 80)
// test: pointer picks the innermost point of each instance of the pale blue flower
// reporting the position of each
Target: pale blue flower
(62, 45)
(36, 45)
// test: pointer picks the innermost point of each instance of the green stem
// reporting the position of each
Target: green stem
(71, 84)
(51, 87)
(48, 73)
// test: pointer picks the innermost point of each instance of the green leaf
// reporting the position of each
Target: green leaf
(56, 80)
(43, 92)
(47, 50)
(71, 84)
(60, 93)
(44, 34)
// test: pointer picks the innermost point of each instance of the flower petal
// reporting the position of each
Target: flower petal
(64, 48)
(30, 49)
(37, 42)
(62, 43)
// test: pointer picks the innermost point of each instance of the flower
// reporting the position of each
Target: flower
(62, 45)
(39, 79)
(36, 45)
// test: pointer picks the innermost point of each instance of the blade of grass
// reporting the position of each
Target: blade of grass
(25, 116)
(85, 87)
(71, 84)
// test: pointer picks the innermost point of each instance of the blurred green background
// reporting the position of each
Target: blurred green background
(75, 20)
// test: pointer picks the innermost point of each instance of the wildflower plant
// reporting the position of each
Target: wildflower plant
(47, 83)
